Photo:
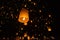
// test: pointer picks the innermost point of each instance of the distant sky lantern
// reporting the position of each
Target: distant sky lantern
(23, 16)
(49, 28)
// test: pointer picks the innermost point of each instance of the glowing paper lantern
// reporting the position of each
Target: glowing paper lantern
(23, 16)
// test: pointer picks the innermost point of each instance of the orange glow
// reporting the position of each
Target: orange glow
(49, 28)
(25, 23)
(23, 16)
(32, 37)
(28, 37)
(25, 35)
(23, 19)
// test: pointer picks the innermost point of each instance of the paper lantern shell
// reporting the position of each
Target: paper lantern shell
(23, 16)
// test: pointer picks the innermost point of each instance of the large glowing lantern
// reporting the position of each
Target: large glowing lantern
(23, 16)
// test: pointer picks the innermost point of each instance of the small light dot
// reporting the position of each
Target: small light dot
(19, 37)
(22, 37)
(12, 15)
(30, 10)
(45, 37)
(31, 21)
(35, 25)
(25, 24)
(34, 3)
(39, 35)
(49, 28)
(21, 28)
(16, 16)
(2, 7)
(40, 17)
(46, 23)
(25, 5)
(28, 37)
(52, 37)
(6, 13)
(25, 35)
(17, 10)
(29, 0)
(9, 8)
(3, 37)
(32, 37)
(40, 11)
(49, 15)
(16, 33)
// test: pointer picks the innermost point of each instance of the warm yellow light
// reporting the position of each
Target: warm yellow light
(31, 21)
(16, 33)
(22, 38)
(24, 5)
(25, 35)
(34, 3)
(29, 0)
(32, 37)
(25, 23)
(49, 28)
(49, 15)
(23, 16)
(28, 38)
(40, 11)
(21, 28)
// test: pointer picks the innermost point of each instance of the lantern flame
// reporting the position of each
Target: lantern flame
(23, 16)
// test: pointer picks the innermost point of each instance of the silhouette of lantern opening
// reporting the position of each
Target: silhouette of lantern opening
(23, 16)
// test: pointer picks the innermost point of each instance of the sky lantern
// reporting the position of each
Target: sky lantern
(49, 28)
(23, 16)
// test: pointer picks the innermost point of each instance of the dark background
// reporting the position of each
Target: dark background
(9, 25)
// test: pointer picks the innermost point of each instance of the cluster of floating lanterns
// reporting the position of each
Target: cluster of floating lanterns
(26, 37)
(24, 18)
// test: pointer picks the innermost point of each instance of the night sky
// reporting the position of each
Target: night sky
(42, 15)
